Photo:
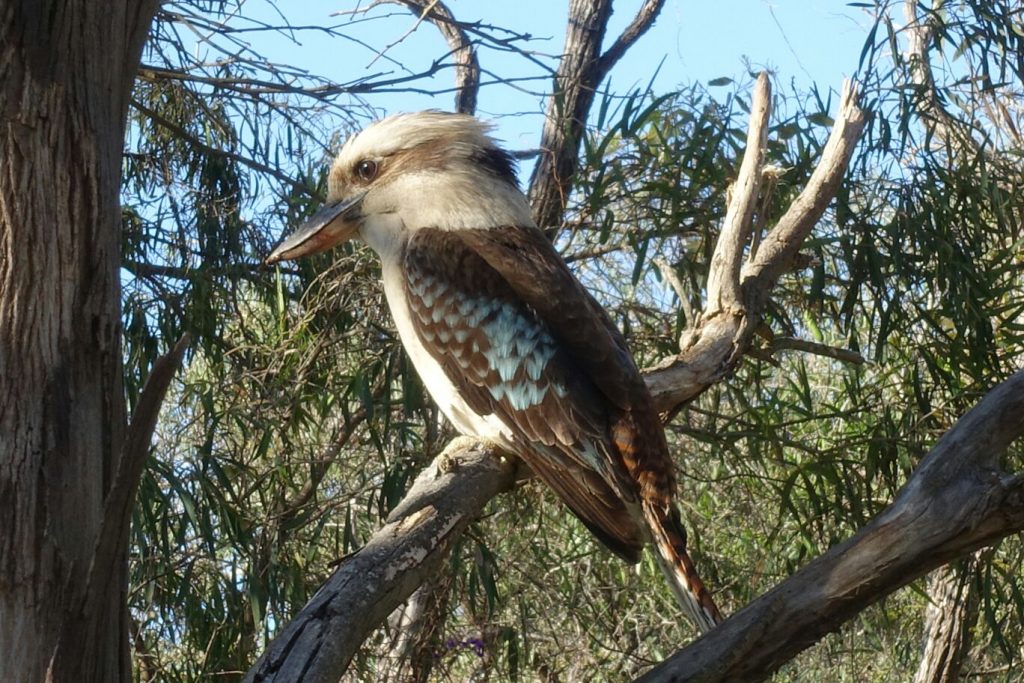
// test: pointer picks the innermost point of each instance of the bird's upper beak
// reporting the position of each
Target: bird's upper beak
(332, 224)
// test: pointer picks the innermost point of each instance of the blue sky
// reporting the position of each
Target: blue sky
(801, 41)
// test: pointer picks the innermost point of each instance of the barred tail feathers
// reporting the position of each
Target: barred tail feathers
(670, 549)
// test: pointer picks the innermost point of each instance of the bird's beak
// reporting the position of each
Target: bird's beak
(332, 224)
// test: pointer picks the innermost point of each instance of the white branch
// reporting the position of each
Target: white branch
(724, 274)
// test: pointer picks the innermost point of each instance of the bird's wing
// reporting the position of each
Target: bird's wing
(503, 359)
(520, 338)
(529, 263)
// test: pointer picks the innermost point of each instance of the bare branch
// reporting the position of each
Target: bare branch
(717, 342)
(791, 343)
(467, 67)
(781, 245)
(724, 291)
(677, 286)
(446, 497)
(954, 503)
(945, 127)
(643, 20)
(704, 360)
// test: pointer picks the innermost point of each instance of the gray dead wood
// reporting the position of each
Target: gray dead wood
(949, 620)
(318, 644)
(956, 501)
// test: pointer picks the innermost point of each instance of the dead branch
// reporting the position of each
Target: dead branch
(724, 273)
(956, 501)
(815, 348)
(467, 67)
(715, 344)
(780, 246)
(319, 642)
(580, 72)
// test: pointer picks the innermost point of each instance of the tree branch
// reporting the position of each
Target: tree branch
(782, 244)
(643, 20)
(467, 67)
(949, 620)
(955, 502)
(446, 497)
(791, 343)
(183, 134)
(714, 345)
(724, 291)
(580, 72)
(944, 126)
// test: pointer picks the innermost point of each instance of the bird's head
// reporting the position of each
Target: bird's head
(409, 171)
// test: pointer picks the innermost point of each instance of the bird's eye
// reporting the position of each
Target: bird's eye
(367, 170)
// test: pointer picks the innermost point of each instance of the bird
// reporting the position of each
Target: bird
(511, 346)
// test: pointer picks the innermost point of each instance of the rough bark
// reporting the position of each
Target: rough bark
(580, 71)
(67, 72)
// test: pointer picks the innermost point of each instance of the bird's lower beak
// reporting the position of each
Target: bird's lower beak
(332, 224)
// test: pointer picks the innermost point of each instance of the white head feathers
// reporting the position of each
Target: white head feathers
(430, 170)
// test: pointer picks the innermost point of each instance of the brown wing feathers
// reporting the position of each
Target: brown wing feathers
(520, 337)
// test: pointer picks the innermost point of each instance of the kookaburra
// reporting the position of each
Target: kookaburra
(509, 344)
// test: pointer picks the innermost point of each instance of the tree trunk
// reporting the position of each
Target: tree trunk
(949, 621)
(67, 72)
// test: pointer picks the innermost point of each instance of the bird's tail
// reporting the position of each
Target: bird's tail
(670, 544)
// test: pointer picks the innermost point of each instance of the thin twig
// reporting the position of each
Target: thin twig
(794, 344)
(467, 67)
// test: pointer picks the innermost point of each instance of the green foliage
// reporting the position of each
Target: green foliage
(298, 423)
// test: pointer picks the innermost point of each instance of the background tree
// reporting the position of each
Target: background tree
(67, 457)
(297, 425)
